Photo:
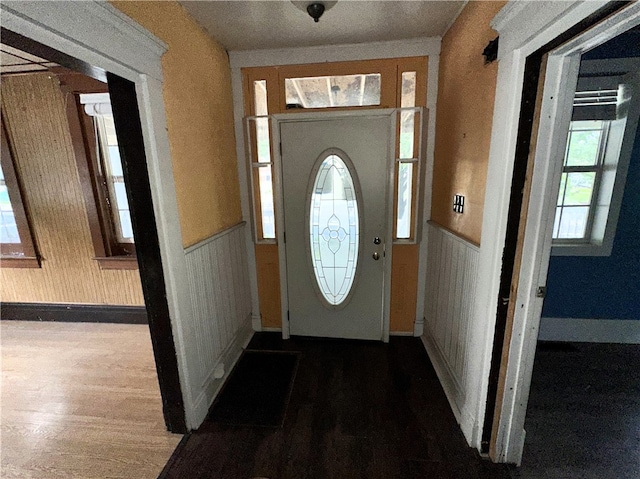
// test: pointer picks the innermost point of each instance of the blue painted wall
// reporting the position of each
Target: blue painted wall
(603, 287)
(626, 45)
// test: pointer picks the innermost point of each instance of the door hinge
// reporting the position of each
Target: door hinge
(541, 292)
(288, 318)
(280, 149)
(284, 235)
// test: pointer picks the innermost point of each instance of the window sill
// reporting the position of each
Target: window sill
(582, 249)
(19, 262)
(118, 262)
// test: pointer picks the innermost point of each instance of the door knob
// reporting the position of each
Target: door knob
(376, 256)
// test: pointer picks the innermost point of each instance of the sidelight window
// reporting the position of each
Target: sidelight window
(261, 164)
(393, 83)
(407, 159)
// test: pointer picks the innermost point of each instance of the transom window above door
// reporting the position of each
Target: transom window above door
(333, 91)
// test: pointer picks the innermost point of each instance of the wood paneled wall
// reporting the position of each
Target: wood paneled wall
(34, 109)
(466, 93)
(220, 323)
(452, 278)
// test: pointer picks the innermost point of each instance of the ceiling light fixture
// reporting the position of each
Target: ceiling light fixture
(314, 9)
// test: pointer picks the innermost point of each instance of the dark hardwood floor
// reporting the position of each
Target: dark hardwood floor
(357, 410)
(583, 418)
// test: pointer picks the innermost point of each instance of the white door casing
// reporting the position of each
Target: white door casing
(428, 47)
(110, 40)
(523, 28)
(363, 144)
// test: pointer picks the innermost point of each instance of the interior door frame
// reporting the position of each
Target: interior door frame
(561, 71)
(112, 42)
(281, 118)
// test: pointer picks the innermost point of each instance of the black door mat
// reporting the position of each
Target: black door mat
(258, 389)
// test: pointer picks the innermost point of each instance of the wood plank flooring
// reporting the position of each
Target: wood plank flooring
(80, 400)
(357, 410)
(583, 418)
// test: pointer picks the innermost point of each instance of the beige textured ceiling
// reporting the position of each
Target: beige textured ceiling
(250, 25)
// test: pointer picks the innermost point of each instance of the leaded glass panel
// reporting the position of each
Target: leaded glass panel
(334, 229)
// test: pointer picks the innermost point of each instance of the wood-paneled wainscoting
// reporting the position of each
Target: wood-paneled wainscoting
(450, 294)
(221, 322)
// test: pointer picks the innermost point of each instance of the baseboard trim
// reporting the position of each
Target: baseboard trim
(449, 383)
(418, 327)
(453, 390)
(271, 330)
(256, 322)
(219, 373)
(73, 313)
(401, 333)
(622, 331)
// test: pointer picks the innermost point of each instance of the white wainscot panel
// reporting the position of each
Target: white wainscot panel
(452, 271)
(221, 302)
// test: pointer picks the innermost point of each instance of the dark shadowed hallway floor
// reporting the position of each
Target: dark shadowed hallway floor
(583, 419)
(357, 410)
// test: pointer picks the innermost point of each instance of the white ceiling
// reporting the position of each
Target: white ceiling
(251, 25)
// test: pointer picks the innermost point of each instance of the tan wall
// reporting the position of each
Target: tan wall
(198, 105)
(38, 129)
(466, 93)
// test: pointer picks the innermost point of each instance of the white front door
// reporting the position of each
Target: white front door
(334, 179)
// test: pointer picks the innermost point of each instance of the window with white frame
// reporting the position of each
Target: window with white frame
(262, 165)
(114, 176)
(407, 158)
(595, 162)
(581, 175)
(106, 177)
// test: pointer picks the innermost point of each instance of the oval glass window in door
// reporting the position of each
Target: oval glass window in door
(334, 229)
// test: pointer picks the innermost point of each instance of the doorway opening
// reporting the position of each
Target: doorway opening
(588, 334)
(120, 212)
(547, 111)
(316, 94)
